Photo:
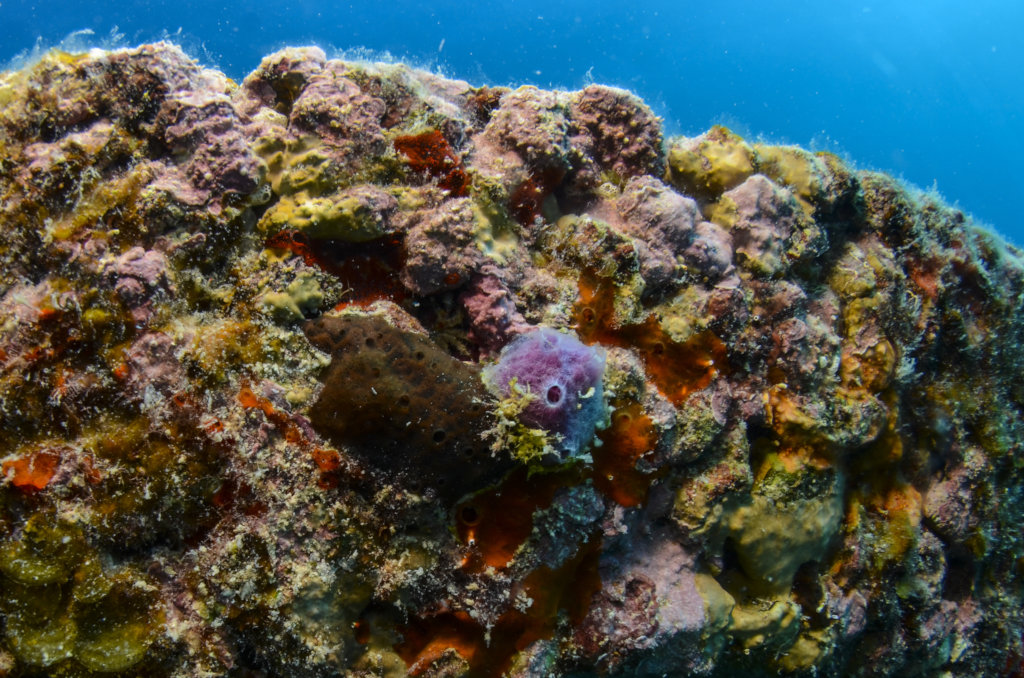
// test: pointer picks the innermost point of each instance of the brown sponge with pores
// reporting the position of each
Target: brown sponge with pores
(404, 407)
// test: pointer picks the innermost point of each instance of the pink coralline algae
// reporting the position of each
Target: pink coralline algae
(333, 107)
(618, 131)
(767, 218)
(533, 123)
(662, 223)
(441, 248)
(352, 369)
(205, 131)
(493, 317)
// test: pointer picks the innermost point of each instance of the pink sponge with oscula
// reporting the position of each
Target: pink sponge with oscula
(566, 378)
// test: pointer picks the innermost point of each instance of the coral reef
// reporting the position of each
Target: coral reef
(349, 369)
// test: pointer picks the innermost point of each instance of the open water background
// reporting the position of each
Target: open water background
(929, 90)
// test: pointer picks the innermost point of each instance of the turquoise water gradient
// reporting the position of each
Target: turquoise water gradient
(930, 90)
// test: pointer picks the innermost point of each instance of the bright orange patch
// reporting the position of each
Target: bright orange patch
(213, 426)
(496, 522)
(121, 371)
(630, 436)
(49, 315)
(32, 472)
(569, 588)
(250, 400)
(677, 368)
(326, 460)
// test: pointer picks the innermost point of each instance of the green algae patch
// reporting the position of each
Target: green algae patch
(773, 624)
(45, 553)
(297, 166)
(356, 215)
(710, 164)
(90, 583)
(806, 651)
(34, 636)
(772, 540)
(718, 605)
(115, 633)
(302, 298)
(798, 170)
(497, 235)
(61, 604)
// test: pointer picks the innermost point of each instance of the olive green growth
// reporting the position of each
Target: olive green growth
(63, 608)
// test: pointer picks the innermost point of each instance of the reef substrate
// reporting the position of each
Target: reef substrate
(350, 369)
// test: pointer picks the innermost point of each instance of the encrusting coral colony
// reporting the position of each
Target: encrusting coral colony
(350, 369)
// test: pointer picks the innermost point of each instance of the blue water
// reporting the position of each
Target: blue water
(929, 90)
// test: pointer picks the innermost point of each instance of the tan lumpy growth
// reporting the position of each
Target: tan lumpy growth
(403, 406)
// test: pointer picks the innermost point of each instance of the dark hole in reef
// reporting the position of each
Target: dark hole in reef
(730, 559)
(419, 355)
(555, 394)
(48, 132)
(807, 592)
(438, 436)
(403, 400)
(960, 575)
(469, 515)
(370, 342)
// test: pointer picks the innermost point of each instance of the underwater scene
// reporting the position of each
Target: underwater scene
(511, 340)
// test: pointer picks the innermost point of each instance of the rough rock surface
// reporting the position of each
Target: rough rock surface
(243, 429)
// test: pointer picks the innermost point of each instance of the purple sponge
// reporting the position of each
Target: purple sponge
(564, 374)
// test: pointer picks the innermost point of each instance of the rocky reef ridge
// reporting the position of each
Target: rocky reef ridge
(350, 369)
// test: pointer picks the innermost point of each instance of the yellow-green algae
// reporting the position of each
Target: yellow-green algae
(711, 164)
(61, 603)
(772, 539)
(301, 298)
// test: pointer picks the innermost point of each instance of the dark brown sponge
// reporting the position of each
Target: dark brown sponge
(404, 406)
